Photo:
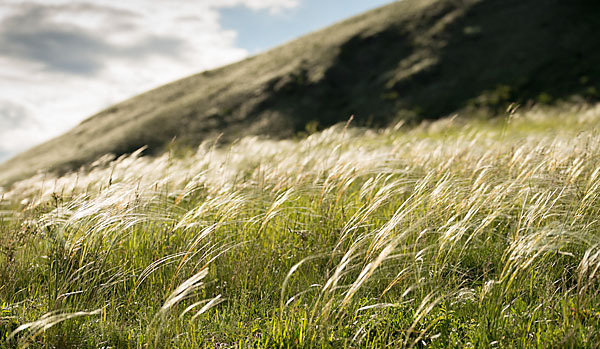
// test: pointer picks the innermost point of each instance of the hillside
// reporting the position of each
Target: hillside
(410, 60)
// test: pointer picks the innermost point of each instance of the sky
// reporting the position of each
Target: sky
(61, 61)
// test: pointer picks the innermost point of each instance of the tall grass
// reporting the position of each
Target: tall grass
(450, 234)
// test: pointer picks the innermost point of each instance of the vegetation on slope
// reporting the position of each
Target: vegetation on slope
(451, 234)
(411, 60)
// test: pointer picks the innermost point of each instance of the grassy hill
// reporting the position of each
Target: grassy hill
(411, 60)
(465, 231)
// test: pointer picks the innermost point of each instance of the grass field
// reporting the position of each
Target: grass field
(457, 233)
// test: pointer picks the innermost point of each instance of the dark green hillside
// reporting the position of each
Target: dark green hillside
(413, 59)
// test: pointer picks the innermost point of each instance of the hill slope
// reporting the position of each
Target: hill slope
(413, 59)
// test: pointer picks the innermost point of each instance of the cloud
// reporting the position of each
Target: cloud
(33, 35)
(82, 37)
(274, 6)
(63, 60)
(17, 127)
(13, 115)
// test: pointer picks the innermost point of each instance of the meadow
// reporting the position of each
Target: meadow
(463, 232)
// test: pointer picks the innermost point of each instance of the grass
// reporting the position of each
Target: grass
(457, 233)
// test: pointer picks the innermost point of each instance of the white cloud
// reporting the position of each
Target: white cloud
(63, 60)
(271, 5)
(17, 123)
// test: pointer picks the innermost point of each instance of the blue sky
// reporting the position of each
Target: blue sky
(258, 30)
(63, 60)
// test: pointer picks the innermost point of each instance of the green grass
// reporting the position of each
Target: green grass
(457, 233)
